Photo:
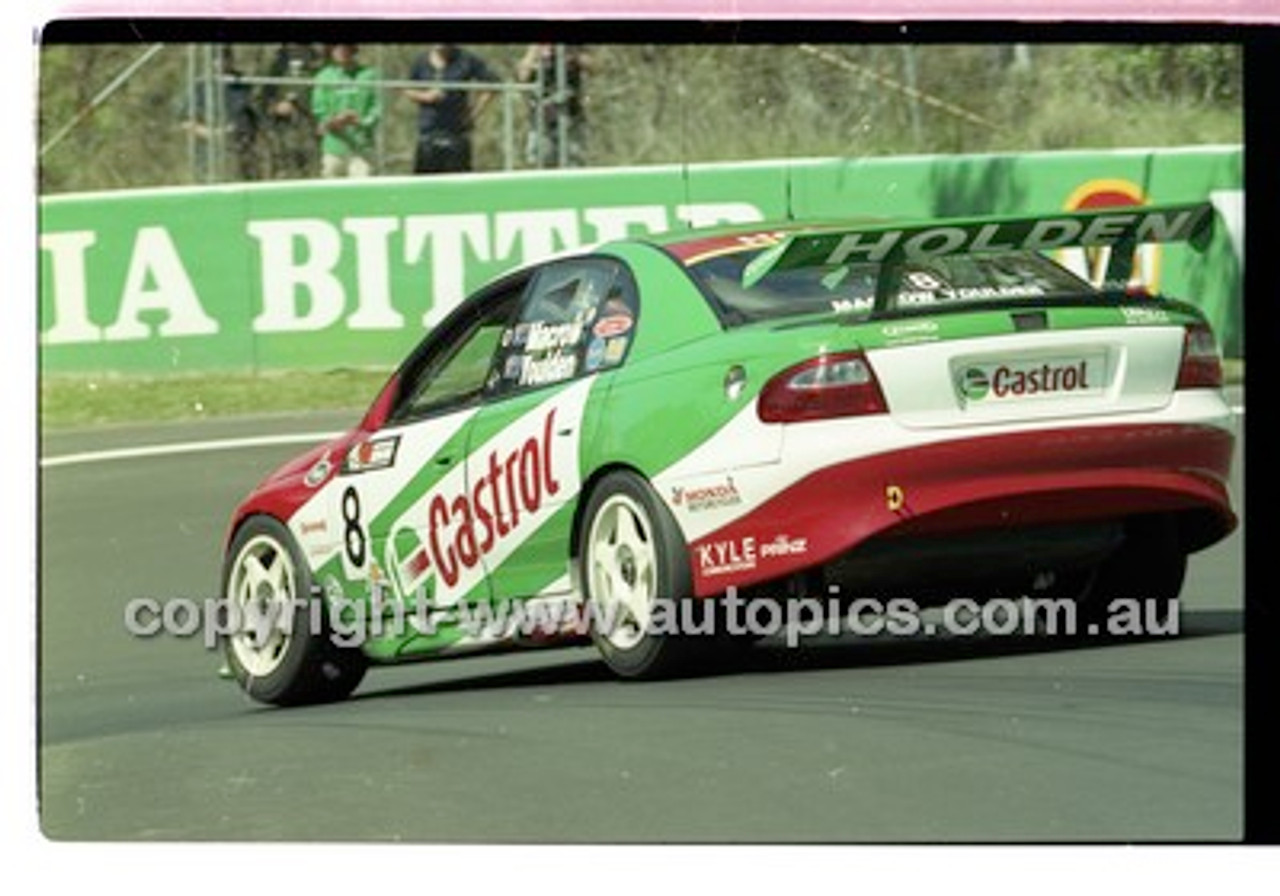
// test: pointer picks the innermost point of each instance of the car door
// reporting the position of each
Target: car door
(524, 450)
(403, 488)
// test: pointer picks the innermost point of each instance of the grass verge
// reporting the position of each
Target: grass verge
(72, 401)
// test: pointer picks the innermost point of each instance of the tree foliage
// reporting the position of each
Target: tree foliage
(653, 103)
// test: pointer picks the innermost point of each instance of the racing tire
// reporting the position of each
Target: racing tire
(1145, 573)
(632, 555)
(282, 652)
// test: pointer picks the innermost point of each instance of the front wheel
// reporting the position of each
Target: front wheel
(634, 565)
(281, 652)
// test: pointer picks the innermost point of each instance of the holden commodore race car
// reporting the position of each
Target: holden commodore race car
(866, 407)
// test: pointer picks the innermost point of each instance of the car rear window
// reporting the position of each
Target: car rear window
(851, 287)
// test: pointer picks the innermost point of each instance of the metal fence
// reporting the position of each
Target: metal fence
(214, 141)
(212, 148)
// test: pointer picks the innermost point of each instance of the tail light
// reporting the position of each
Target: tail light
(839, 385)
(1201, 363)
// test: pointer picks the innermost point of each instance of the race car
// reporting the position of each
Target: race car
(842, 407)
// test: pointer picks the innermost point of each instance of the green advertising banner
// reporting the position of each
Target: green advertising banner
(325, 274)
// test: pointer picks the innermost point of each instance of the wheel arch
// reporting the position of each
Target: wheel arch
(588, 488)
(248, 515)
(242, 518)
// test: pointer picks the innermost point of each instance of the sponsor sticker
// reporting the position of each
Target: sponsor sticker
(916, 298)
(706, 497)
(605, 352)
(613, 325)
(594, 359)
(719, 558)
(1138, 315)
(614, 349)
(371, 454)
(319, 472)
(988, 381)
(906, 332)
(852, 306)
(734, 555)
(457, 527)
(784, 546)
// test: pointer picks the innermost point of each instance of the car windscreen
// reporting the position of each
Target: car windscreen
(850, 288)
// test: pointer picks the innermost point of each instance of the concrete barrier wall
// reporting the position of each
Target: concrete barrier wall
(332, 274)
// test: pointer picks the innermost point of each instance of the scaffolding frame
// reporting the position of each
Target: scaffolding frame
(205, 71)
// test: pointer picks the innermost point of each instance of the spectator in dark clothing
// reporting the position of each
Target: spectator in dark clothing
(538, 65)
(447, 115)
(239, 119)
(290, 128)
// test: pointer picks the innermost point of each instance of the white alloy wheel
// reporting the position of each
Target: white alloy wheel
(261, 592)
(622, 564)
(282, 651)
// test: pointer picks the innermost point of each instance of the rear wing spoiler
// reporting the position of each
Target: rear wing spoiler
(893, 245)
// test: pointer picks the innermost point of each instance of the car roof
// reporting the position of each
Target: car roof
(691, 245)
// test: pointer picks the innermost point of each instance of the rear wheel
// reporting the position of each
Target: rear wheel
(634, 559)
(282, 652)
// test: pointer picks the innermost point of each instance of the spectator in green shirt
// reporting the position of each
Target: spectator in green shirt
(347, 109)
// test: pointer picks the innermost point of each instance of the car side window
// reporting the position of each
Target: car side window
(577, 318)
(455, 369)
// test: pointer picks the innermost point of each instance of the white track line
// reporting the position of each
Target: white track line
(90, 457)
(302, 438)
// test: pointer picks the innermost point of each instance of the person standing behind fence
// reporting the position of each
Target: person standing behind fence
(538, 65)
(239, 124)
(447, 116)
(347, 109)
(286, 110)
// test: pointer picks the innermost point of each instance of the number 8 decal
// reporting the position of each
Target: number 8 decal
(353, 534)
(924, 280)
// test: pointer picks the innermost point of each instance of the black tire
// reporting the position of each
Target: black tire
(631, 553)
(1144, 575)
(297, 662)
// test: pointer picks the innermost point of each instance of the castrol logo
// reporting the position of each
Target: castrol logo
(471, 520)
(466, 526)
(985, 382)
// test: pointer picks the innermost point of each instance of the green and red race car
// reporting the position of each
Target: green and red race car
(864, 408)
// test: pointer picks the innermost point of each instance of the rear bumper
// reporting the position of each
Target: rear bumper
(985, 484)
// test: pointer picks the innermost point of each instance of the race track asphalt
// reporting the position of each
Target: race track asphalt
(987, 739)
